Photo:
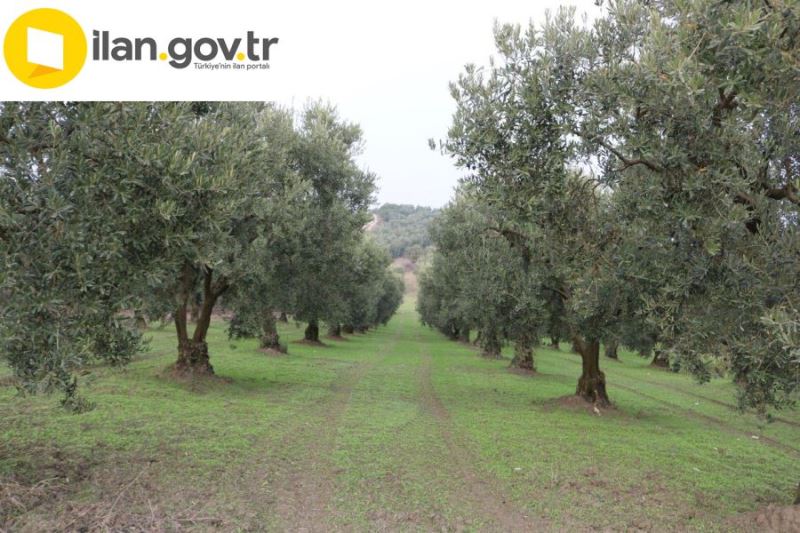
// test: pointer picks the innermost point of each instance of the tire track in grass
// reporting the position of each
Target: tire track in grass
(629, 372)
(302, 488)
(715, 421)
(681, 390)
(769, 441)
(481, 490)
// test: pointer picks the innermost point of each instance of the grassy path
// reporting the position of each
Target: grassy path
(304, 486)
(398, 429)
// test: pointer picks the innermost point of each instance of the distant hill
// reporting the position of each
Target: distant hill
(403, 229)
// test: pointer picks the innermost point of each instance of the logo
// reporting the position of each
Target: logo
(184, 51)
(45, 48)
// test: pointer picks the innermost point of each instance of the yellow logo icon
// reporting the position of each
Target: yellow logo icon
(45, 48)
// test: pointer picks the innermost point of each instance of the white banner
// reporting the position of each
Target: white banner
(386, 65)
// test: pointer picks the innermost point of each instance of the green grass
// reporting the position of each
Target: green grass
(396, 429)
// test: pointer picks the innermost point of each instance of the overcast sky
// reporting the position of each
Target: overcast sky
(387, 65)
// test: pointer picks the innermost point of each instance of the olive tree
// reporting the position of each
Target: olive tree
(693, 109)
(70, 257)
(508, 133)
(492, 288)
(129, 206)
(336, 210)
(214, 186)
(650, 160)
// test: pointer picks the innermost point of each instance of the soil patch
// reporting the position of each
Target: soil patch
(200, 382)
(573, 402)
(306, 342)
(770, 519)
(272, 352)
(52, 477)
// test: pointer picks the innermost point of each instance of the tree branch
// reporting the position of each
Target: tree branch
(626, 161)
(787, 192)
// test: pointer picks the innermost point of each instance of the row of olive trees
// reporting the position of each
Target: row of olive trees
(158, 208)
(636, 181)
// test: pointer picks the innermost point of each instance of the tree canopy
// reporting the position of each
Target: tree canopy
(115, 213)
(645, 168)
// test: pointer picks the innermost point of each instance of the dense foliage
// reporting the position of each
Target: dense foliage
(479, 282)
(645, 170)
(115, 213)
(403, 229)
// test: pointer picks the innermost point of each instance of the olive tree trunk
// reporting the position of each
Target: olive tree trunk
(592, 383)
(348, 328)
(660, 359)
(463, 335)
(523, 354)
(140, 320)
(312, 331)
(451, 333)
(269, 339)
(490, 344)
(611, 349)
(335, 330)
(193, 355)
(554, 342)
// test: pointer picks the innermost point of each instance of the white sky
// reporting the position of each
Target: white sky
(387, 67)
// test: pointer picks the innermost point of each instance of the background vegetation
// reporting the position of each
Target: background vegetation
(403, 229)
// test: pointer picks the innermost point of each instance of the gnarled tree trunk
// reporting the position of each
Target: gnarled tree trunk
(193, 352)
(523, 354)
(451, 332)
(269, 339)
(193, 358)
(312, 331)
(490, 344)
(660, 359)
(592, 383)
(283, 318)
(611, 349)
